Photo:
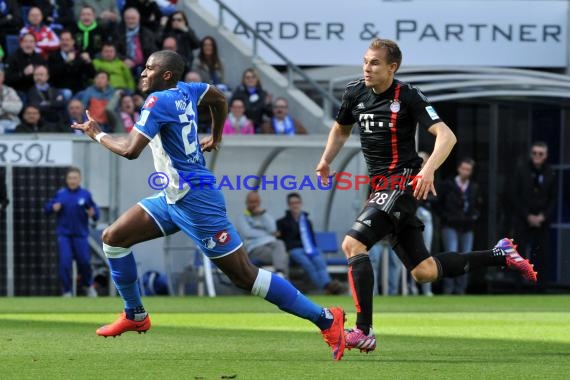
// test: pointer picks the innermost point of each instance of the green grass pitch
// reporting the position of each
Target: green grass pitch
(490, 337)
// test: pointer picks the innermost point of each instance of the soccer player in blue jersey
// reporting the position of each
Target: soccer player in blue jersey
(168, 124)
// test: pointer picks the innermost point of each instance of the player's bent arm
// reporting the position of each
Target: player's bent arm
(129, 146)
(218, 104)
(444, 141)
(336, 140)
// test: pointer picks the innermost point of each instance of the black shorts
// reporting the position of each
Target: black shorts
(393, 213)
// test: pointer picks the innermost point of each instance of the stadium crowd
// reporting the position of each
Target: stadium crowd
(60, 58)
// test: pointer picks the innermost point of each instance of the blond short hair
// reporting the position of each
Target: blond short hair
(393, 52)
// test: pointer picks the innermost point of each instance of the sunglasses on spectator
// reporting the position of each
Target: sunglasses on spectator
(537, 153)
(280, 107)
(177, 19)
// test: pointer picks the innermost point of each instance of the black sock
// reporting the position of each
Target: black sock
(453, 264)
(136, 314)
(361, 278)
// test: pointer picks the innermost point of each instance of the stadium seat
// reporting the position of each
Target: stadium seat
(12, 43)
(328, 244)
(24, 9)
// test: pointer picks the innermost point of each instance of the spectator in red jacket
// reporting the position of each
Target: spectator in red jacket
(47, 40)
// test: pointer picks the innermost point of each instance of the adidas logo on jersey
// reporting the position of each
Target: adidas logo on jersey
(368, 222)
(360, 106)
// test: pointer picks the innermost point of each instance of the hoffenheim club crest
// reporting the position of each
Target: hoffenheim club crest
(209, 243)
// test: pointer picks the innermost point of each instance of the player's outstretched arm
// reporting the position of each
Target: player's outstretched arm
(129, 146)
(218, 104)
(444, 141)
(337, 137)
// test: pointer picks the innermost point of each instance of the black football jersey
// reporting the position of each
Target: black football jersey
(387, 124)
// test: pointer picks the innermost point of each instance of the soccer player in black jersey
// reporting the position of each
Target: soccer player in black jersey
(387, 111)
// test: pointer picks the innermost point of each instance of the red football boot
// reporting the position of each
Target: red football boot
(122, 325)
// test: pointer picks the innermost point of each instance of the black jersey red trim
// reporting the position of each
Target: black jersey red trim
(393, 122)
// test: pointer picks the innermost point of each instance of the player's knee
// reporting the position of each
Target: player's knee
(244, 278)
(425, 272)
(423, 276)
(110, 237)
(346, 247)
(352, 247)
(241, 272)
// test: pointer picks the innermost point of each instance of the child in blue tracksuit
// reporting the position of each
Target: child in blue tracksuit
(73, 206)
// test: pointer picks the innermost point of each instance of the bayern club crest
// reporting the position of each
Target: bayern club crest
(395, 106)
